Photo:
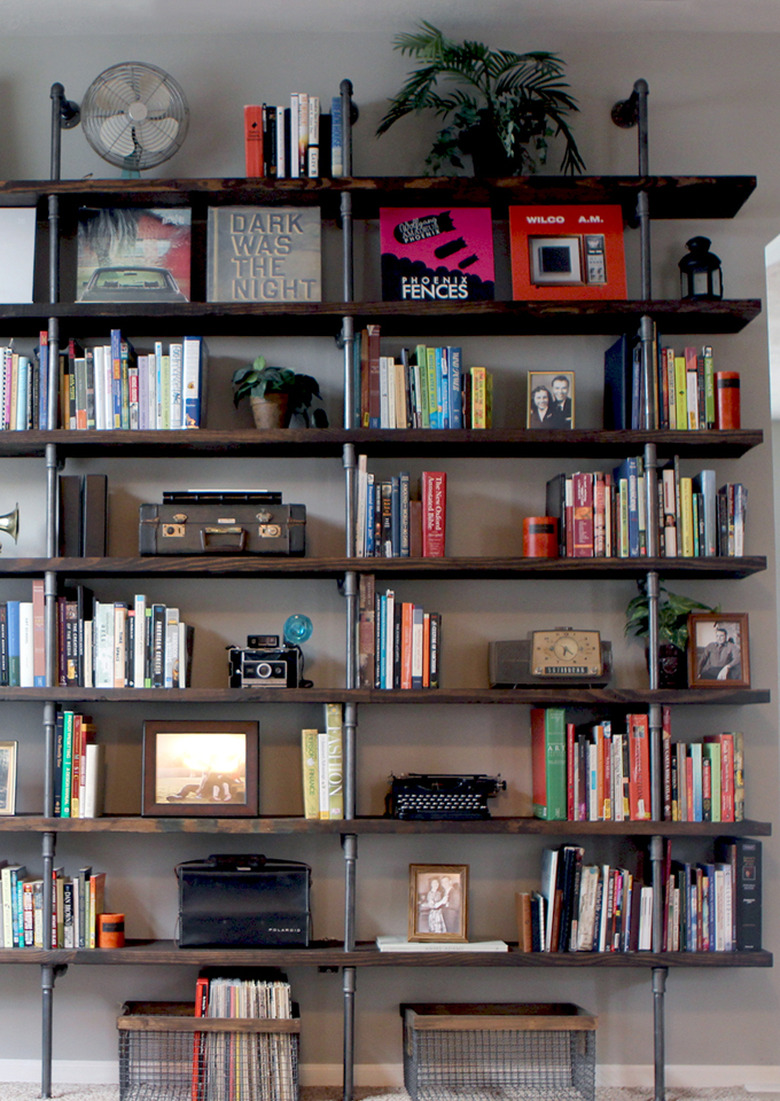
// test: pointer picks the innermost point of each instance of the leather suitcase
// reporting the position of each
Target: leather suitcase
(229, 528)
(243, 901)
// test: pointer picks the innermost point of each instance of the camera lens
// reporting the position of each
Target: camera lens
(264, 669)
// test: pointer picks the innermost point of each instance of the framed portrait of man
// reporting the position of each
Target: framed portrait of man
(718, 653)
(550, 400)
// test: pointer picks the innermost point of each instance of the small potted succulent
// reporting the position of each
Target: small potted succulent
(673, 612)
(277, 394)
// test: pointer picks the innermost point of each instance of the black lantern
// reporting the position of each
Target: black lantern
(700, 273)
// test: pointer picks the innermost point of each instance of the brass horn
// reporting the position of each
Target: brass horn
(9, 522)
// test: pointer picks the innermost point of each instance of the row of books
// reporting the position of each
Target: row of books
(122, 644)
(322, 753)
(600, 771)
(604, 513)
(231, 1066)
(426, 387)
(112, 386)
(393, 521)
(24, 392)
(710, 906)
(78, 767)
(399, 643)
(293, 141)
(76, 903)
(684, 392)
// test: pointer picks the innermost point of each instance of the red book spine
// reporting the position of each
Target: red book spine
(540, 537)
(253, 140)
(434, 513)
(727, 400)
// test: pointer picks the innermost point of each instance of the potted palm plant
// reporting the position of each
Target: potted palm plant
(502, 106)
(277, 394)
(673, 612)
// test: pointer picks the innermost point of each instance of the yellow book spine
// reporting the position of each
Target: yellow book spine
(334, 766)
(311, 791)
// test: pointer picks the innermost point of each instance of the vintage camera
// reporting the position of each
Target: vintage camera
(265, 664)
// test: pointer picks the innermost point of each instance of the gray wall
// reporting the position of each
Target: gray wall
(712, 111)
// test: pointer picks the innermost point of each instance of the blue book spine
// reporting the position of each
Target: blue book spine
(456, 388)
(23, 383)
(14, 651)
(43, 385)
(382, 655)
(336, 138)
(395, 516)
(116, 376)
(443, 358)
(370, 520)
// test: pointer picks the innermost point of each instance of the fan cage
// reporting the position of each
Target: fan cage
(135, 115)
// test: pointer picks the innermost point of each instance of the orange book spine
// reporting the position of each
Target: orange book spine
(727, 400)
(253, 140)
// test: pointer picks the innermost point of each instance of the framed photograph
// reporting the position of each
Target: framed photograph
(550, 399)
(134, 254)
(8, 777)
(438, 902)
(202, 769)
(718, 651)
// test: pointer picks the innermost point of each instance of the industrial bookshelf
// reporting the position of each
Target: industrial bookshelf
(348, 199)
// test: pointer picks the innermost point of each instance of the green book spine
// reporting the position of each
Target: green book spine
(548, 753)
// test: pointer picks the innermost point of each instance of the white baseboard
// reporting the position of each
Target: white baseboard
(684, 1076)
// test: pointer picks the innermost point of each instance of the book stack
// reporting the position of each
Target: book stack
(604, 513)
(322, 753)
(423, 387)
(707, 779)
(78, 767)
(76, 903)
(24, 396)
(392, 521)
(399, 642)
(111, 386)
(293, 141)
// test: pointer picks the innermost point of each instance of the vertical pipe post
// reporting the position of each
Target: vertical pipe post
(348, 987)
(659, 1039)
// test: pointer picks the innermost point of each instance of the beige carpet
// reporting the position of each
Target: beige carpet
(27, 1092)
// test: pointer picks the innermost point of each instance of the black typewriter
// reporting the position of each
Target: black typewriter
(426, 795)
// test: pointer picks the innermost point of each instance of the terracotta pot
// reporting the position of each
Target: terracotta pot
(270, 411)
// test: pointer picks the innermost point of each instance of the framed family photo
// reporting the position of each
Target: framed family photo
(718, 651)
(438, 902)
(202, 769)
(550, 399)
(8, 777)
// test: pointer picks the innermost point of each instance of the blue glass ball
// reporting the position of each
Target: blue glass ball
(297, 629)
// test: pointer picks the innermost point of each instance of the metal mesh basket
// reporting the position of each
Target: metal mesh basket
(499, 1052)
(165, 1056)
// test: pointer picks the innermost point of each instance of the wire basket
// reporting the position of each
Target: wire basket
(499, 1052)
(165, 1056)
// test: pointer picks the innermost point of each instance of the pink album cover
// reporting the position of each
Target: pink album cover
(436, 254)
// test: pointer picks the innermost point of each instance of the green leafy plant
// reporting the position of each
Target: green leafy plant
(673, 612)
(506, 102)
(259, 379)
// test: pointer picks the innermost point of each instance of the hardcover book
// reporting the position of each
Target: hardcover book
(431, 254)
(134, 254)
(17, 253)
(263, 254)
(570, 252)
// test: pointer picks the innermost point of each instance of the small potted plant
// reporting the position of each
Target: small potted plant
(277, 394)
(673, 612)
(502, 106)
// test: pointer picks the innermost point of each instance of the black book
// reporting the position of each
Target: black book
(70, 515)
(94, 515)
(744, 856)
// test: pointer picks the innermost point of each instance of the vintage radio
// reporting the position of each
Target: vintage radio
(222, 522)
(243, 901)
(425, 795)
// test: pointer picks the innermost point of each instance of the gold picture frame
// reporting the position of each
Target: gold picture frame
(8, 777)
(438, 902)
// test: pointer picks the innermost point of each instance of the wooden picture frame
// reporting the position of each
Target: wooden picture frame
(8, 777)
(718, 650)
(438, 902)
(556, 409)
(204, 769)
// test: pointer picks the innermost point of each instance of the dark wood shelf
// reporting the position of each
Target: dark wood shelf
(295, 824)
(331, 954)
(669, 196)
(550, 696)
(474, 567)
(329, 442)
(406, 319)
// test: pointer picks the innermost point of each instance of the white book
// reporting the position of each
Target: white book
(100, 388)
(645, 942)
(401, 944)
(176, 353)
(103, 644)
(139, 640)
(313, 151)
(293, 169)
(88, 672)
(158, 385)
(171, 668)
(322, 772)
(91, 806)
(26, 674)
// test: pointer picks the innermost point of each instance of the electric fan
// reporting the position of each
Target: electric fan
(134, 115)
